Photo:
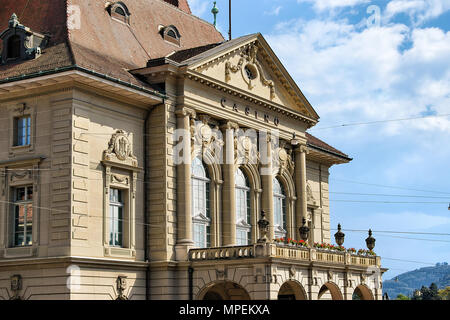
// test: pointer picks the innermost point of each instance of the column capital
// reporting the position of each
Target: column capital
(302, 149)
(183, 111)
(228, 125)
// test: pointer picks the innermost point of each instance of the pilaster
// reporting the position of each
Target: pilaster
(184, 216)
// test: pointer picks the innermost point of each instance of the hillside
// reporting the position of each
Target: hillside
(407, 282)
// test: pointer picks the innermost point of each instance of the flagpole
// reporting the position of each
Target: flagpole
(229, 32)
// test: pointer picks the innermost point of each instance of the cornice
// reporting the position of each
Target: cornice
(220, 86)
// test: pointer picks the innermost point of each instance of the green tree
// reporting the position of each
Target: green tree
(445, 293)
(430, 293)
(402, 297)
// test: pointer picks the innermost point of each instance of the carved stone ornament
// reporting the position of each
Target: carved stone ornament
(206, 139)
(20, 175)
(120, 149)
(283, 159)
(363, 278)
(292, 271)
(309, 195)
(246, 149)
(330, 275)
(121, 286)
(221, 272)
(250, 69)
(16, 286)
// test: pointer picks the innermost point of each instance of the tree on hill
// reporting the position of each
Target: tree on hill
(445, 293)
(402, 297)
(425, 293)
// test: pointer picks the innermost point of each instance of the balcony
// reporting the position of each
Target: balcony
(284, 252)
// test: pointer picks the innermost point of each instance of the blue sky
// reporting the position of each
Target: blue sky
(356, 67)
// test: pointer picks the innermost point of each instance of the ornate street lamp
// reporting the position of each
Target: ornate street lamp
(263, 225)
(304, 230)
(370, 241)
(339, 236)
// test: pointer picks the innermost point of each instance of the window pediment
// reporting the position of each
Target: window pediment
(120, 151)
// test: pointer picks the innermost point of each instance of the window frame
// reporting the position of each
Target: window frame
(201, 220)
(112, 10)
(116, 223)
(17, 112)
(18, 130)
(173, 40)
(16, 204)
(280, 217)
(16, 174)
(121, 169)
(243, 225)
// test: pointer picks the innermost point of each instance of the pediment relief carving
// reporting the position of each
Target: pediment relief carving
(120, 149)
(250, 69)
(21, 175)
(253, 67)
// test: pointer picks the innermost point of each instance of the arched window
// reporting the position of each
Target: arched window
(201, 213)
(14, 43)
(119, 11)
(243, 213)
(279, 209)
(171, 34)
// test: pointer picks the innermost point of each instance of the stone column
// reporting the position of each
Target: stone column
(229, 186)
(300, 184)
(184, 217)
(267, 184)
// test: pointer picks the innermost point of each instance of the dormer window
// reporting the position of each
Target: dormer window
(171, 34)
(20, 42)
(119, 11)
(14, 45)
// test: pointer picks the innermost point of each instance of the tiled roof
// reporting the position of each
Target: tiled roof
(316, 142)
(183, 55)
(103, 44)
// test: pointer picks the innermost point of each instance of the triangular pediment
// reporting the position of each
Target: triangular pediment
(248, 64)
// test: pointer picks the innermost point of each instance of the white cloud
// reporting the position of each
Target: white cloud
(199, 7)
(362, 75)
(274, 12)
(418, 10)
(322, 5)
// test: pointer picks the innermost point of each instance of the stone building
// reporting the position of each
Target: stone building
(96, 100)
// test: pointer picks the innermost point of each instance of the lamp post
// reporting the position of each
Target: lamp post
(339, 236)
(370, 241)
(304, 230)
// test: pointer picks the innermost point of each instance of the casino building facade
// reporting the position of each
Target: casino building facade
(142, 156)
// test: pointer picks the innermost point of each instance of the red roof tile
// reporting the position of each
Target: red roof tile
(104, 44)
(316, 142)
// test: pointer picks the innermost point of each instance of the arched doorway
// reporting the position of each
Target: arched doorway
(330, 291)
(225, 290)
(362, 292)
(292, 290)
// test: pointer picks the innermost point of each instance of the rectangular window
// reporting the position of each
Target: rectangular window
(23, 216)
(116, 207)
(22, 131)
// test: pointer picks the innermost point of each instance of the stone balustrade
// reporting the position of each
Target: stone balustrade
(281, 251)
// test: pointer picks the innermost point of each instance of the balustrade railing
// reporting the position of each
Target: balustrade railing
(282, 251)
